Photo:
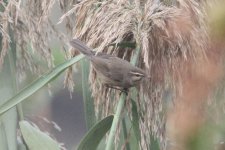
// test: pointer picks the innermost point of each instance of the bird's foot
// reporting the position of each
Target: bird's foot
(123, 90)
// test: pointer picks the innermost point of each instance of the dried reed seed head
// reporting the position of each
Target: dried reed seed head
(5, 19)
(167, 35)
(32, 27)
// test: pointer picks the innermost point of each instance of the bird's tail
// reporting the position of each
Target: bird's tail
(81, 47)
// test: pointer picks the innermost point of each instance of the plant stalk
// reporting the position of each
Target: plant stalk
(109, 145)
(87, 99)
(126, 137)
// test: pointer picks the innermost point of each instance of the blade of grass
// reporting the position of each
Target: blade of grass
(135, 120)
(125, 134)
(8, 126)
(115, 123)
(88, 101)
(3, 141)
(37, 84)
(9, 119)
(36, 139)
(12, 64)
(18, 115)
(95, 134)
(154, 143)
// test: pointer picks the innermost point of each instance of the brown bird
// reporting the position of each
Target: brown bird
(112, 71)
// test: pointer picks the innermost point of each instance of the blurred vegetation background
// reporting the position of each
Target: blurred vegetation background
(180, 44)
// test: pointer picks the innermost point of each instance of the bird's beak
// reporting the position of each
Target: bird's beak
(147, 76)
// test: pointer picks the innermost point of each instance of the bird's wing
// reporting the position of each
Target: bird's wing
(110, 66)
(100, 64)
(117, 68)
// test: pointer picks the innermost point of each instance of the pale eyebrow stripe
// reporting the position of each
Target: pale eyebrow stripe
(136, 73)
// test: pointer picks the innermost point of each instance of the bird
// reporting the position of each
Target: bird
(112, 71)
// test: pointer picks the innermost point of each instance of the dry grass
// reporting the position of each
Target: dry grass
(31, 26)
(170, 34)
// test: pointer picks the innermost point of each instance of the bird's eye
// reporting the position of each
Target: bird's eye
(137, 75)
(136, 78)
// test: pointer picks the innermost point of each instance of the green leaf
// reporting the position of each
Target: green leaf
(154, 143)
(36, 139)
(135, 120)
(37, 84)
(88, 101)
(3, 140)
(21, 146)
(116, 121)
(8, 120)
(125, 134)
(95, 134)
